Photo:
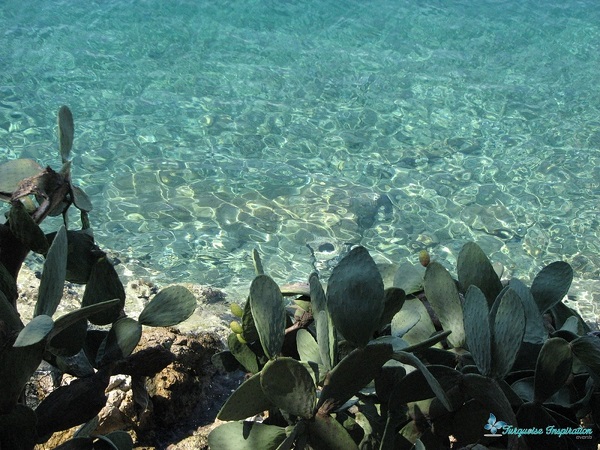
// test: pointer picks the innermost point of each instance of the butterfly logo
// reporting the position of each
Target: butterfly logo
(494, 425)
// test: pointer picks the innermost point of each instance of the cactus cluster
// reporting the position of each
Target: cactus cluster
(410, 358)
(67, 342)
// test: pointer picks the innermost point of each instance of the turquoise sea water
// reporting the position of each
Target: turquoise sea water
(205, 129)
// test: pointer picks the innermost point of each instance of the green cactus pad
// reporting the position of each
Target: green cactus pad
(269, 314)
(301, 306)
(17, 428)
(440, 356)
(551, 284)
(81, 200)
(121, 440)
(477, 329)
(326, 339)
(307, 346)
(35, 331)
(123, 337)
(59, 210)
(489, 394)
(66, 131)
(565, 334)
(393, 300)
(169, 307)
(93, 341)
(53, 276)
(317, 295)
(104, 284)
(355, 297)
(246, 436)
(535, 332)
(26, 230)
(64, 322)
(13, 172)
(82, 256)
(289, 386)
(17, 364)
(70, 340)
(77, 365)
(387, 271)
(354, 372)
(561, 313)
(391, 374)
(413, 323)
(9, 315)
(507, 331)
(409, 278)
(117, 440)
(72, 404)
(414, 387)
(436, 387)
(246, 401)
(326, 433)
(88, 428)
(316, 371)
(8, 285)
(474, 267)
(534, 415)
(297, 437)
(244, 355)
(258, 267)
(295, 290)
(434, 339)
(404, 320)
(250, 333)
(225, 361)
(553, 368)
(587, 350)
(442, 294)
(572, 325)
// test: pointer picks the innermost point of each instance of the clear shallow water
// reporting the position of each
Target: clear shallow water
(205, 129)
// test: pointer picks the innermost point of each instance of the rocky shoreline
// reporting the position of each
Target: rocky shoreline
(183, 399)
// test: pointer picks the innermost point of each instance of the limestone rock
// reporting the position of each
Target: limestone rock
(161, 410)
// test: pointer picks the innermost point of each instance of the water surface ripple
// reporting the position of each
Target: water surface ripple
(205, 129)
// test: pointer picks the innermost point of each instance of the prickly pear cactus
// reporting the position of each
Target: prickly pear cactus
(269, 314)
(474, 268)
(442, 294)
(355, 297)
(66, 131)
(25, 229)
(289, 386)
(53, 276)
(104, 284)
(551, 285)
(494, 336)
(246, 436)
(123, 337)
(169, 307)
(13, 172)
(493, 357)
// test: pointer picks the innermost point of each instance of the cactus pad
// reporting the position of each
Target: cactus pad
(169, 307)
